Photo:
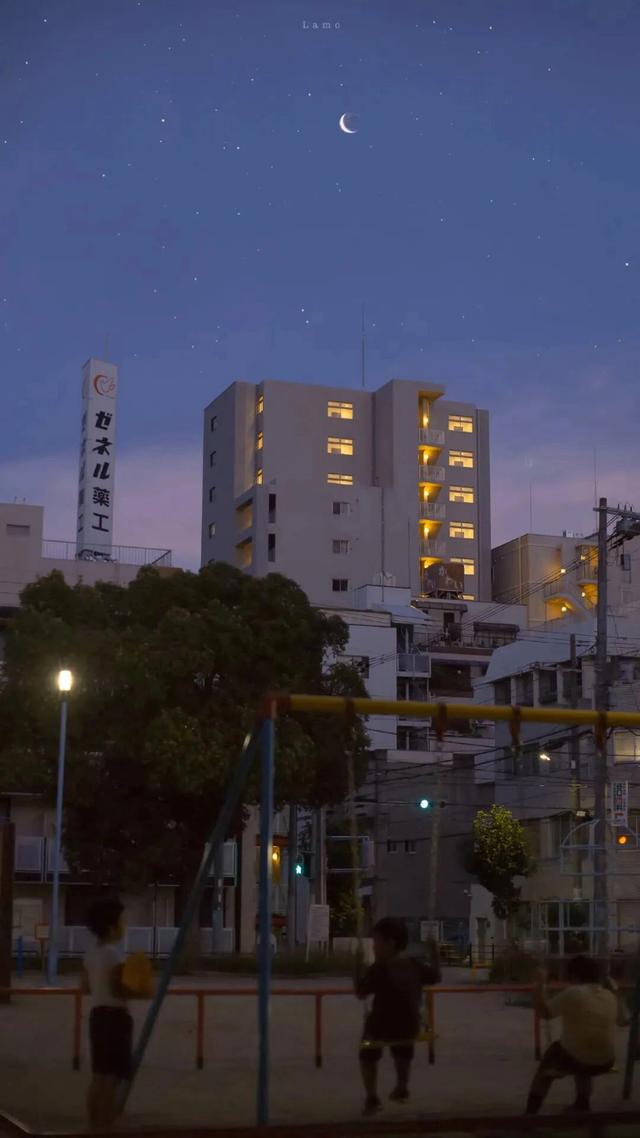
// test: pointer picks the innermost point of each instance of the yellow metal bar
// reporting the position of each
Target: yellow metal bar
(412, 709)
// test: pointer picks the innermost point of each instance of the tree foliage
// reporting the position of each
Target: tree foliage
(169, 673)
(497, 854)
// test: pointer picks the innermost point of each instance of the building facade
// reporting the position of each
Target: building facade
(548, 785)
(340, 488)
(557, 577)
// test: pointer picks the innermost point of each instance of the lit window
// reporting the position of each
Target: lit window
(340, 585)
(339, 410)
(461, 494)
(339, 446)
(461, 529)
(469, 565)
(340, 479)
(259, 478)
(260, 405)
(461, 423)
(213, 458)
(341, 546)
(468, 597)
(212, 529)
(461, 458)
(212, 494)
(260, 441)
(342, 508)
(214, 422)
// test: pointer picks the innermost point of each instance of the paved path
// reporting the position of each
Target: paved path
(484, 1061)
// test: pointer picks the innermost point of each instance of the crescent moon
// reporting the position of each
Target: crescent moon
(342, 123)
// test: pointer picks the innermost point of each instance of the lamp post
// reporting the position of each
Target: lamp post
(65, 683)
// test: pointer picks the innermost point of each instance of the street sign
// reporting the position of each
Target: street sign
(620, 803)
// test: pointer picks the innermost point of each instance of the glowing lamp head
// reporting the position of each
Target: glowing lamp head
(622, 839)
(563, 571)
(424, 804)
(65, 680)
(544, 757)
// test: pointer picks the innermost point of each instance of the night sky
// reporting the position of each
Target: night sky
(175, 192)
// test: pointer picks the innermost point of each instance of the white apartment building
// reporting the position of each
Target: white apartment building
(340, 488)
(557, 577)
(549, 786)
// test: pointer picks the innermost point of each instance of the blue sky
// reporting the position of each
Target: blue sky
(174, 184)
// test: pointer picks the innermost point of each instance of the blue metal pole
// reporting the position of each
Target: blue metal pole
(52, 962)
(264, 950)
(217, 836)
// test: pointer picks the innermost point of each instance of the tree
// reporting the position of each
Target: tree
(497, 854)
(169, 674)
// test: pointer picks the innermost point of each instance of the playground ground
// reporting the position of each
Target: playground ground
(484, 1061)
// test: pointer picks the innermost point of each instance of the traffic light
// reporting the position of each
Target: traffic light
(303, 865)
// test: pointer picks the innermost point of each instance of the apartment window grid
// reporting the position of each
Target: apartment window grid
(336, 410)
(342, 509)
(339, 446)
(462, 529)
(340, 585)
(468, 563)
(462, 494)
(461, 423)
(341, 545)
(462, 458)
(340, 479)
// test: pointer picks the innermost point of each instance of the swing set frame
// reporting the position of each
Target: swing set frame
(261, 744)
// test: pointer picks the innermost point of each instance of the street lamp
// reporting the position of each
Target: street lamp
(65, 683)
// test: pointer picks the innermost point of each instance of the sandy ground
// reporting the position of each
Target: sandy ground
(484, 1061)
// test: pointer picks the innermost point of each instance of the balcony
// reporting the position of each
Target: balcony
(432, 548)
(118, 554)
(455, 640)
(587, 572)
(429, 437)
(414, 663)
(560, 587)
(433, 510)
(431, 473)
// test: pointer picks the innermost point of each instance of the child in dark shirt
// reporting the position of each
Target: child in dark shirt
(395, 981)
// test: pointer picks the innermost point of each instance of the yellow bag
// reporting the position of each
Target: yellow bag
(137, 975)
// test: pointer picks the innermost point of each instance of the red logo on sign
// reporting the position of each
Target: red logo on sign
(105, 385)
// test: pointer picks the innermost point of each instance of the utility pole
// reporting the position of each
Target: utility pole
(292, 880)
(601, 778)
(575, 766)
(434, 850)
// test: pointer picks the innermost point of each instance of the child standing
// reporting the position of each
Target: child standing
(110, 1025)
(588, 1012)
(395, 981)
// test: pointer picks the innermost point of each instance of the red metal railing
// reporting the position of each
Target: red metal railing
(318, 995)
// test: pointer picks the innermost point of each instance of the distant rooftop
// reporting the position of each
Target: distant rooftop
(118, 554)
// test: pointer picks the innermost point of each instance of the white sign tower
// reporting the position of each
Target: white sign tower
(97, 461)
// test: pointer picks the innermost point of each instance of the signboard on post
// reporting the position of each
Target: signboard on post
(620, 803)
(96, 480)
(318, 926)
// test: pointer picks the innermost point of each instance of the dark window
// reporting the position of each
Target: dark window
(271, 547)
(213, 458)
(502, 692)
(625, 562)
(272, 509)
(524, 689)
(17, 531)
(340, 585)
(548, 681)
(410, 847)
(451, 679)
(212, 494)
(212, 529)
(392, 847)
(214, 422)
